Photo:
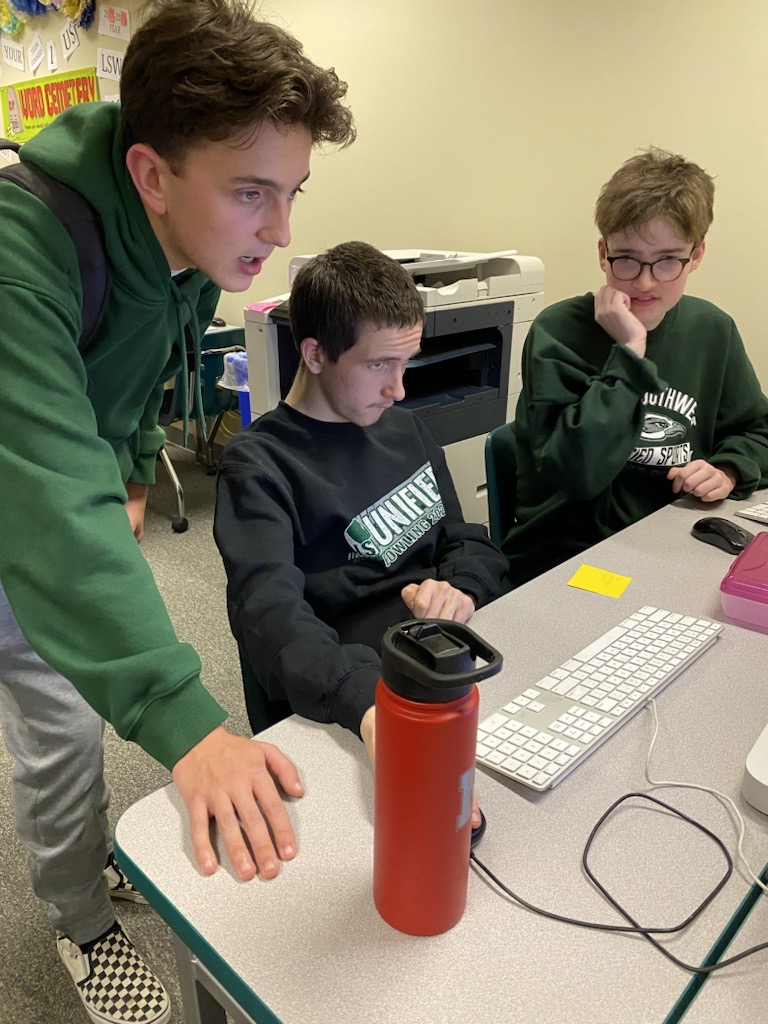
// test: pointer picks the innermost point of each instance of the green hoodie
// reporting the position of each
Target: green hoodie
(74, 430)
(598, 428)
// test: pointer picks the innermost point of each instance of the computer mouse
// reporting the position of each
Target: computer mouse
(722, 533)
(218, 322)
(478, 833)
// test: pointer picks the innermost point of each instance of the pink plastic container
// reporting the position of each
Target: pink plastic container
(744, 590)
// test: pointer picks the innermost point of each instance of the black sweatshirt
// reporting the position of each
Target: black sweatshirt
(320, 526)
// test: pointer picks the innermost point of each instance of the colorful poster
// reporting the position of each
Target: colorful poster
(29, 106)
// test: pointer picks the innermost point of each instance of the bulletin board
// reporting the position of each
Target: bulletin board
(56, 54)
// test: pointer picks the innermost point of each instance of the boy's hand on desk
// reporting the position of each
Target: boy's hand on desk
(230, 779)
(436, 599)
(613, 312)
(368, 734)
(710, 483)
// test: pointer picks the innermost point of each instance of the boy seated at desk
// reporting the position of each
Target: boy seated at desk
(637, 393)
(336, 515)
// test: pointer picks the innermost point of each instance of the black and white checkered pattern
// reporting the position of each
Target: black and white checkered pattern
(115, 985)
(119, 885)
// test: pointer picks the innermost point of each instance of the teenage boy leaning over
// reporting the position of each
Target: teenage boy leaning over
(637, 393)
(193, 178)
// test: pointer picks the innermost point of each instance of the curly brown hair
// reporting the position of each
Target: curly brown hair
(654, 184)
(207, 70)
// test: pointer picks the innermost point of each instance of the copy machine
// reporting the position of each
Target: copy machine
(466, 379)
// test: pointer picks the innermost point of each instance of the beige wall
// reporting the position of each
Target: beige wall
(490, 124)
(493, 123)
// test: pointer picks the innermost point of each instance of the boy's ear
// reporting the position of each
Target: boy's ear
(698, 255)
(148, 171)
(312, 354)
(601, 253)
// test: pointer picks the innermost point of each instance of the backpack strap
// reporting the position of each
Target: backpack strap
(84, 226)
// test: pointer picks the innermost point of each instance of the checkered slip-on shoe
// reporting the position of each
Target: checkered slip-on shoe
(120, 887)
(113, 982)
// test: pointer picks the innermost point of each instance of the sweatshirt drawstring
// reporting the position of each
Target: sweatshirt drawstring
(189, 340)
(193, 330)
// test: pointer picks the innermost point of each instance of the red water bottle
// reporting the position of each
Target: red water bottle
(426, 734)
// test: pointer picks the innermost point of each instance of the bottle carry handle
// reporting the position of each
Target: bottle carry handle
(437, 653)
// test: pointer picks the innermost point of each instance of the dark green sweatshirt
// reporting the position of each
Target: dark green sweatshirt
(73, 431)
(598, 428)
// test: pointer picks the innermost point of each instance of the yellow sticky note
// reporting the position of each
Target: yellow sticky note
(599, 581)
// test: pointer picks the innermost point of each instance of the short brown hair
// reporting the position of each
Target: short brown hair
(207, 70)
(654, 184)
(349, 288)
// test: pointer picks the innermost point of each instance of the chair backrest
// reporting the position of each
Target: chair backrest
(501, 477)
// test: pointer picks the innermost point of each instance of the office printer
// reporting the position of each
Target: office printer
(466, 379)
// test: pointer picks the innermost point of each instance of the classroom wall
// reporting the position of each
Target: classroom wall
(492, 125)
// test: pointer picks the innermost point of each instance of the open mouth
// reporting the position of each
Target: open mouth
(251, 265)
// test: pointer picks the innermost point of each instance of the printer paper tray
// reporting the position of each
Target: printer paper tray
(468, 394)
(425, 359)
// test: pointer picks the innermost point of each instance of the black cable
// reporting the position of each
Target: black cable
(691, 821)
(634, 927)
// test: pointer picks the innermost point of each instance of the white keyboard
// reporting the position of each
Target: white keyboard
(759, 513)
(540, 736)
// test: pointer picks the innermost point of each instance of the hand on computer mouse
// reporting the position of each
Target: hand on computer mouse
(478, 831)
(437, 599)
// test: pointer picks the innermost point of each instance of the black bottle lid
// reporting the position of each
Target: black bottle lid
(433, 661)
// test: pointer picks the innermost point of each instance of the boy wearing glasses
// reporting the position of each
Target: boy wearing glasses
(637, 393)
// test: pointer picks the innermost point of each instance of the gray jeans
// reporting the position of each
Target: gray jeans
(60, 795)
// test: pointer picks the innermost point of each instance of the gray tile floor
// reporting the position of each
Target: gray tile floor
(34, 986)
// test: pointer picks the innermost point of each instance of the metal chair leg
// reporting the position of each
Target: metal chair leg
(180, 524)
(210, 461)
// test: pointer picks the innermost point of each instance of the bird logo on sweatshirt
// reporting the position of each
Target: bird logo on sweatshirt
(660, 428)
